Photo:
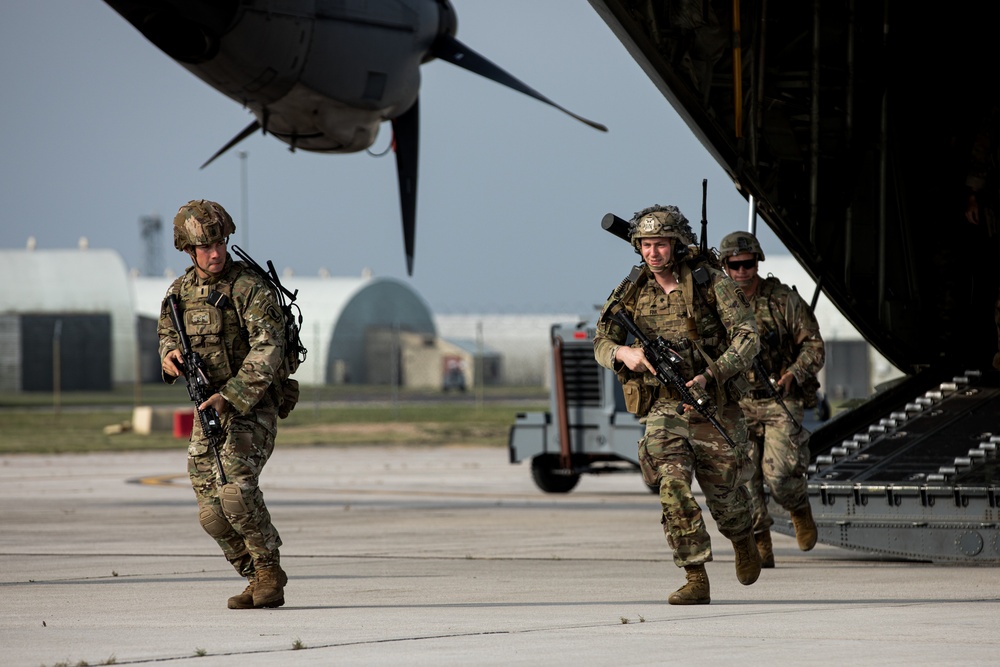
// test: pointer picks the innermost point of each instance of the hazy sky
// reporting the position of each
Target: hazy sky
(102, 128)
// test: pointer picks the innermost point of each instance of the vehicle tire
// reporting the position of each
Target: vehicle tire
(543, 471)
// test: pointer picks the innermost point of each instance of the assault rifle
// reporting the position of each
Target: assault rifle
(198, 387)
(666, 362)
(772, 391)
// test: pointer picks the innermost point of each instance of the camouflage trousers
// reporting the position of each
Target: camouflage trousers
(780, 453)
(677, 449)
(235, 514)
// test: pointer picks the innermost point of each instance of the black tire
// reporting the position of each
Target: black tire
(544, 472)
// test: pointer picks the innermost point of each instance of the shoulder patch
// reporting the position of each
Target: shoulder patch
(272, 313)
(742, 297)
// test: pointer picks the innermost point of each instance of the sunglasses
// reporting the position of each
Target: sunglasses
(744, 264)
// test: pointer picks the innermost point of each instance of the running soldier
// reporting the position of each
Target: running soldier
(682, 296)
(233, 321)
(791, 354)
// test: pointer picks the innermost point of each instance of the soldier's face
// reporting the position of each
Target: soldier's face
(210, 260)
(656, 252)
(742, 268)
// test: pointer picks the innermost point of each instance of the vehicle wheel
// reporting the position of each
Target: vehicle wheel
(544, 472)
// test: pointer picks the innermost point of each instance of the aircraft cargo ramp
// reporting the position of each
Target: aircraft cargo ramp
(912, 473)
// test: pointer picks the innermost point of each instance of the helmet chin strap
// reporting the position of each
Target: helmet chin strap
(203, 273)
(194, 260)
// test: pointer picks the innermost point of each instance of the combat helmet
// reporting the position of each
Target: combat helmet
(201, 222)
(738, 243)
(660, 221)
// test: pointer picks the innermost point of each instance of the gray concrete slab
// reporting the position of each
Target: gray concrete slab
(437, 556)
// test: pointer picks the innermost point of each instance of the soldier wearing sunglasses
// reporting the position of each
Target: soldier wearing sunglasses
(791, 354)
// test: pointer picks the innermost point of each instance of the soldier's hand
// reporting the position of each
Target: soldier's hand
(972, 209)
(173, 363)
(785, 383)
(697, 389)
(215, 401)
(634, 359)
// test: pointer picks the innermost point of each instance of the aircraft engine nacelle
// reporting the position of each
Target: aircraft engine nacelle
(318, 74)
(306, 119)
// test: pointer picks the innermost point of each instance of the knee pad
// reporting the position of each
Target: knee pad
(214, 525)
(231, 497)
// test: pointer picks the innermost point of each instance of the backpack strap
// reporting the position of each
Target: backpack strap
(696, 279)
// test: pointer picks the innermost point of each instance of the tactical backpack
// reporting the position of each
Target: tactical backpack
(295, 351)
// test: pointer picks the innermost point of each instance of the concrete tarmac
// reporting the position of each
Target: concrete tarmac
(437, 556)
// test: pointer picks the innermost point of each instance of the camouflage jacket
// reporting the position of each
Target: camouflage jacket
(241, 343)
(716, 315)
(789, 332)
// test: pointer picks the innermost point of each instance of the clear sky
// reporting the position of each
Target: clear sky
(102, 128)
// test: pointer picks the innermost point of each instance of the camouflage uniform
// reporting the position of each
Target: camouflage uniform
(242, 345)
(676, 448)
(790, 341)
(233, 320)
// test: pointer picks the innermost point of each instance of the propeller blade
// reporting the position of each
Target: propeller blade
(450, 49)
(247, 131)
(406, 138)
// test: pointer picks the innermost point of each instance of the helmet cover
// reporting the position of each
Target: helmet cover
(201, 222)
(661, 221)
(739, 243)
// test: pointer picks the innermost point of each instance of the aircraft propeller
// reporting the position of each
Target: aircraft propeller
(271, 56)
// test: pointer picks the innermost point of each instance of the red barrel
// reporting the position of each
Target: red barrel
(183, 423)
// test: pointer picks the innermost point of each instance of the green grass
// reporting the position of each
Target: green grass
(176, 394)
(327, 416)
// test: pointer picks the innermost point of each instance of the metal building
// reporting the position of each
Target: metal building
(70, 305)
(340, 317)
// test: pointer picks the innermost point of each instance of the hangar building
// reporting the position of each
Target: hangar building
(73, 305)
(354, 329)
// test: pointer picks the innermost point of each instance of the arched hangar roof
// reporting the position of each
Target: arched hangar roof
(337, 312)
(80, 281)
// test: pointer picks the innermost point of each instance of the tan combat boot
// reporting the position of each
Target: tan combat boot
(764, 549)
(269, 587)
(805, 527)
(695, 591)
(747, 559)
(245, 599)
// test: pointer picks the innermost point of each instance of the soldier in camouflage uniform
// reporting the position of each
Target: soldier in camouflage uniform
(685, 298)
(791, 354)
(233, 321)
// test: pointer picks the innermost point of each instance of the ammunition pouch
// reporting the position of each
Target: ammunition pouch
(639, 396)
